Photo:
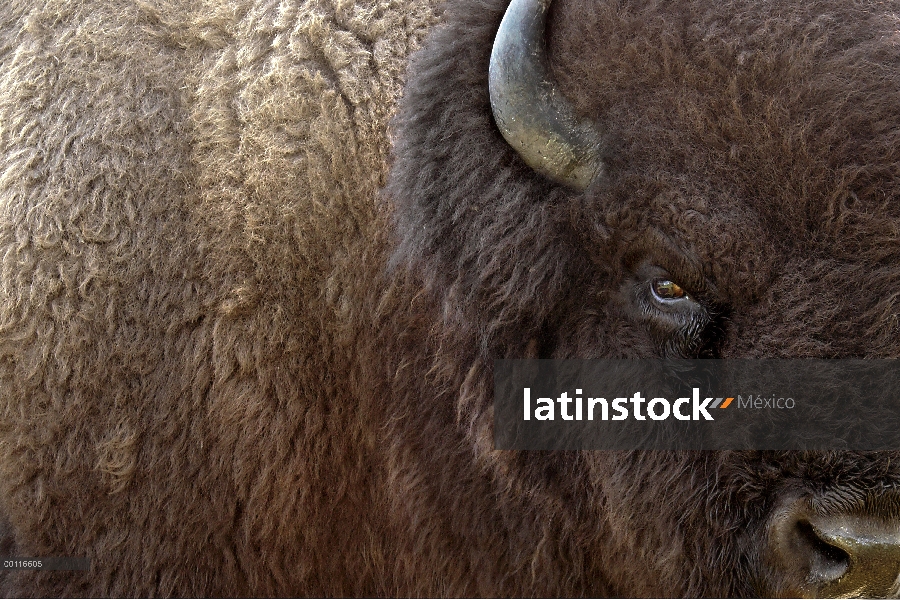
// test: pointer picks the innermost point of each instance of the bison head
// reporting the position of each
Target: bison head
(666, 179)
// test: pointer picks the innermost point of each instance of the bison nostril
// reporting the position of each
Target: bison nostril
(827, 563)
(872, 545)
(836, 555)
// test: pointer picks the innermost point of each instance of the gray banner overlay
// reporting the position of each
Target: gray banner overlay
(735, 404)
(54, 563)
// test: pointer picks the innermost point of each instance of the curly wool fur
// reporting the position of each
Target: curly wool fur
(227, 368)
(187, 194)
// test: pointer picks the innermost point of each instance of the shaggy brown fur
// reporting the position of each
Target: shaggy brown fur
(227, 368)
(187, 194)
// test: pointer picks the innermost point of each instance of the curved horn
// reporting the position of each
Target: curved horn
(536, 120)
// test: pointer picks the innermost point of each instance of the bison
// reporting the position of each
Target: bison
(247, 321)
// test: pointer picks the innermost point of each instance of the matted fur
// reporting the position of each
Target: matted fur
(230, 365)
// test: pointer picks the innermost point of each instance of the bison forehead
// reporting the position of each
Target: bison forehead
(791, 106)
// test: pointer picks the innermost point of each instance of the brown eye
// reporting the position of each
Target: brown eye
(665, 289)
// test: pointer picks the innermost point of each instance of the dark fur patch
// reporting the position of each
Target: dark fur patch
(752, 152)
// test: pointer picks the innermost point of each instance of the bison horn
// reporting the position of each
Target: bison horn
(534, 117)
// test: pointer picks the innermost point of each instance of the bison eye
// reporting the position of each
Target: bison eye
(676, 317)
(665, 290)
